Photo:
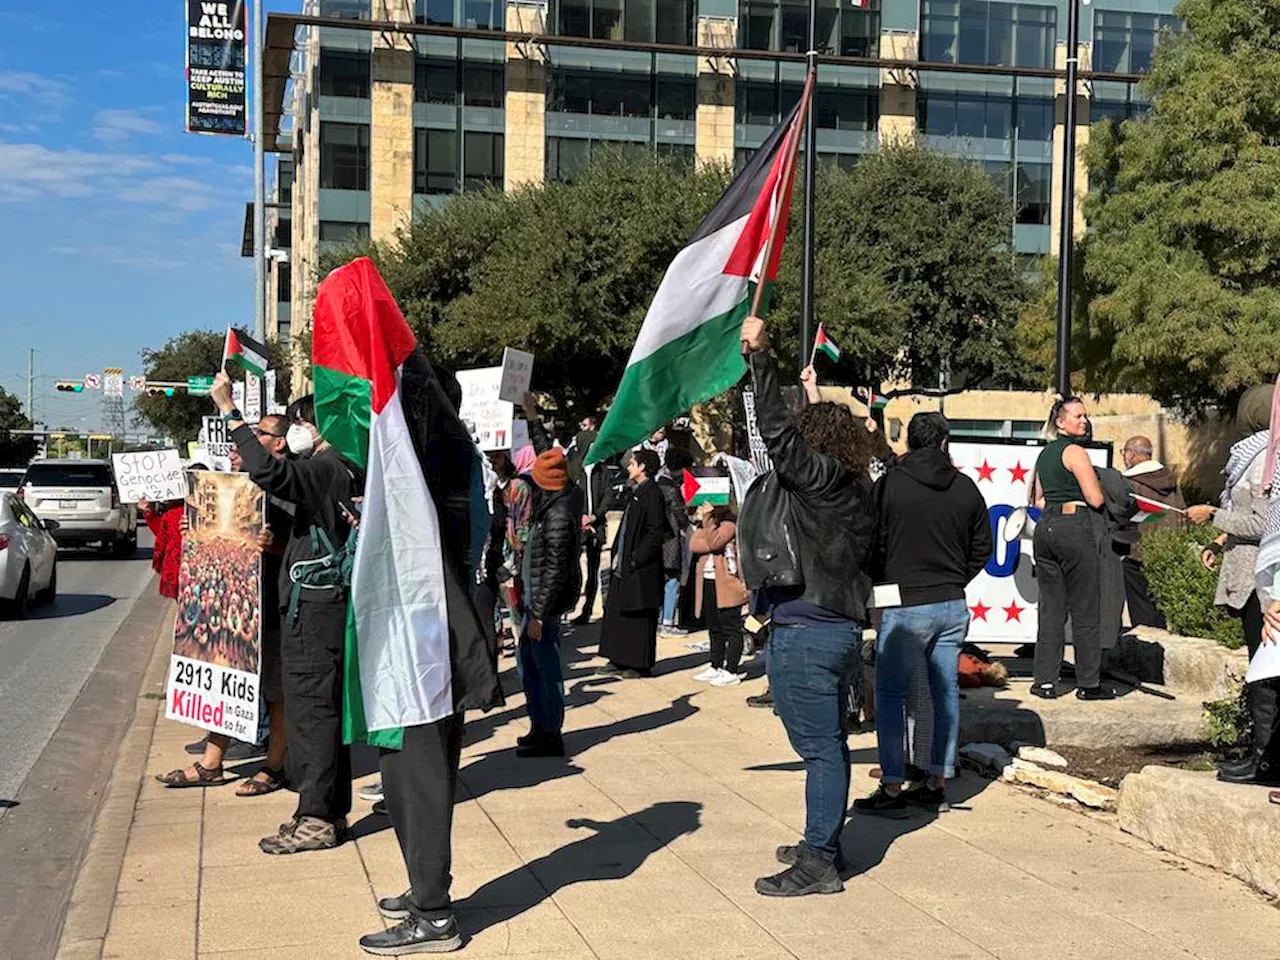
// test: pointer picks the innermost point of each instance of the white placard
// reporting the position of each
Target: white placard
(154, 474)
(487, 415)
(252, 408)
(1003, 597)
(216, 441)
(272, 406)
(237, 395)
(517, 375)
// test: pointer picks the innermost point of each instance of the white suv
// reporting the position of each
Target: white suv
(81, 495)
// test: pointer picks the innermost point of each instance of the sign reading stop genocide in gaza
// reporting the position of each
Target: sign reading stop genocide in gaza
(152, 474)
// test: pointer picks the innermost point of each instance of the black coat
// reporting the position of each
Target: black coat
(554, 542)
(808, 523)
(677, 524)
(639, 575)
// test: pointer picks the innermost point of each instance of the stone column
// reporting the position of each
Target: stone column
(525, 142)
(391, 129)
(897, 89)
(1082, 140)
(716, 92)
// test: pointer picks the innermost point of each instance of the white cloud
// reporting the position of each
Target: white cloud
(116, 125)
(30, 170)
(177, 193)
(46, 91)
(183, 159)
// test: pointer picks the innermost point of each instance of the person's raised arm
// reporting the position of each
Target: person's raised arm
(809, 380)
(538, 435)
(1076, 459)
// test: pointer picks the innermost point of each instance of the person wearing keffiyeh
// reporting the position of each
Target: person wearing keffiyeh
(1241, 518)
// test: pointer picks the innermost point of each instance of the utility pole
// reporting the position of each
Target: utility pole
(259, 184)
(31, 387)
(1066, 242)
(810, 181)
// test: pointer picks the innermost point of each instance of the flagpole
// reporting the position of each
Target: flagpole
(810, 182)
(788, 172)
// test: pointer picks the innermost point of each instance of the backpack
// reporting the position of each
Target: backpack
(333, 568)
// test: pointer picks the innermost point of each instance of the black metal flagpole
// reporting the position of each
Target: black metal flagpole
(810, 180)
(1066, 240)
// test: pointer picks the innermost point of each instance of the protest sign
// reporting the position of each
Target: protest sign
(154, 474)
(252, 408)
(517, 375)
(1003, 598)
(215, 441)
(217, 636)
(488, 416)
(237, 395)
(272, 405)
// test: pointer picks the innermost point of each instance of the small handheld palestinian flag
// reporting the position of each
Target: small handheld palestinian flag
(876, 401)
(823, 344)
(1150, 510)
(705, 485)
(251, 354)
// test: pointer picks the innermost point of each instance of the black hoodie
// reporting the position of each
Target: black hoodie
(933, 534)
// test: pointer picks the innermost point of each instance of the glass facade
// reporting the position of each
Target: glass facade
(843, 29)
(444, 163)
(1126, 42)
(473, 14)
(644, 21)
(990, 33)
(344, 156)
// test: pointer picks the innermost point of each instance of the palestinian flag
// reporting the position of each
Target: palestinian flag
(688, 349)
(251, 354)
(705, 485)
(825, 345)
(397, 666)
(1150, 510)
(876, 401)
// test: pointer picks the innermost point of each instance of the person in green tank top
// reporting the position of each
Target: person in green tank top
(1067, 569)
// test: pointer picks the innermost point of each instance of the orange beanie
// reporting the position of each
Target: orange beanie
(551, 470)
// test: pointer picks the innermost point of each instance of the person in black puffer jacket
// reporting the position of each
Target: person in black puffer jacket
(554, 579)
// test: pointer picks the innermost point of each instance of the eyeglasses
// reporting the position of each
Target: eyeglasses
(267, 433)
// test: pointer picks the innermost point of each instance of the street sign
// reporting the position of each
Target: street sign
(113, 382)
(199, 386)
(92, 381)
(137, 384)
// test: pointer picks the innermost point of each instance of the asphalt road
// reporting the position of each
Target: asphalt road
(45, 661)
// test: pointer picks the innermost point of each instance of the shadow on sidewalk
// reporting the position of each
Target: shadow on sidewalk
(615, 850)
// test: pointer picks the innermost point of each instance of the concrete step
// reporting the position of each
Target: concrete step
(1233, 828)
(1190, 665)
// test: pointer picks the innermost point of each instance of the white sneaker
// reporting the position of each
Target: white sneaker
(371, 793)
(707, 675)
(726, 679)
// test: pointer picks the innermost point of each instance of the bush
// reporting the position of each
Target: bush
(1183, 589)
(1230, 723)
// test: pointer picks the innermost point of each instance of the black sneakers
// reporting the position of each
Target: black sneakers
(1095, 693)
(395, 908)
(763, 700)
(931, 798)
(790, 855)
(1045, 691)
(882, 804)
(542, 745)
(811, 873)
(414, 935)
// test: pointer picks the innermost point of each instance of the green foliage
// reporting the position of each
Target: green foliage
(1183, 261)
(194, 354)
(1183, 589)
(1230, 722)
(15, 449)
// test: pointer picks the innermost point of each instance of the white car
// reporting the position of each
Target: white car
(81, 495)
(28, 557)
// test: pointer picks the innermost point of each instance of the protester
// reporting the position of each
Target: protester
(519, 502)
(1242, 518)
(1147, 477)
(553, 579)
(1066, 548)
(804, 534)
(659, 444)
(933, 536)
(674, 553)
(629, 635)
(719, 592)
(595, 523)
(322, 485)
(163, 519)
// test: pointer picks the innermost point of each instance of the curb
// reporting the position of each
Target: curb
(93, 896)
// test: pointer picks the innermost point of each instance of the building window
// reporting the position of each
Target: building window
(283, 238)
(483, 84)
(784, 25)
(846, 108)
(482, 160)
(566, 158)
(645, 21)
(284, 284)
(435, 80)
(284, 182)
(346, 9)
(1034, 196)
(1034, 118)
(994, 34)
(344, 156)
(344, 73)
(1126, 42)
(342, 231)
(617, 94)
(973, 116)
(435, 161)
(474, 14)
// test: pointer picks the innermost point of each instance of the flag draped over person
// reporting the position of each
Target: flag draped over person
(379, 403)
(251, 354)
(688, 349)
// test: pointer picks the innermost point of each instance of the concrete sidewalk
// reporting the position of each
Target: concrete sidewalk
(646, 842)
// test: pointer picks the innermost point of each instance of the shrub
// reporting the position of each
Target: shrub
(1230, 723)
(1183, 589)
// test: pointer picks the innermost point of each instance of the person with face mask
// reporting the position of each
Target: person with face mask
(323, 486)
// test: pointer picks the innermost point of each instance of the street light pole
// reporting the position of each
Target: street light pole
(1066, 241)
(810, 181)
(259, 184)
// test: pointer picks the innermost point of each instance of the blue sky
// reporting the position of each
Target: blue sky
(117, 229)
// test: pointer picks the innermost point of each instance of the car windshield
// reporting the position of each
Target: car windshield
(10, 479)
(69, 474)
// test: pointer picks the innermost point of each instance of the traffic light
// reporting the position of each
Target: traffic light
(70, 386)
(160, 391)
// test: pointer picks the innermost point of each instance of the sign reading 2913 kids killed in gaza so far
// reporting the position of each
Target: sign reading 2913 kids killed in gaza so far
(216, 663)
(1003, 598)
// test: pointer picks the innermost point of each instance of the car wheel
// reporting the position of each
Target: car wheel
(50, 593)
(20, 607)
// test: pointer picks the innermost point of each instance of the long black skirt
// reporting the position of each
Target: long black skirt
(629, 639)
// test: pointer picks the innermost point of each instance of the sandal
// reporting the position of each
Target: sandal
(205, 777)
(253, 787)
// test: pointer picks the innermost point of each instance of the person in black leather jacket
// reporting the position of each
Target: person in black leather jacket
(554, 579)
(804, 535)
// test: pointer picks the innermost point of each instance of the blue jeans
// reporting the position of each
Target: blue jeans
(670, 601)
(542, 675)
(810, 672)
(937, 631)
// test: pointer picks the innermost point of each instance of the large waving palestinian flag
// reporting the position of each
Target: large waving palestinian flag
(397, 665)
(688, 350)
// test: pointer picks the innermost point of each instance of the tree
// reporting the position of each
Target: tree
(16, 449)
(194, 354)
(1182, 268)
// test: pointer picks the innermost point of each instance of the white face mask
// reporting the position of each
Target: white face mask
(300, 440)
